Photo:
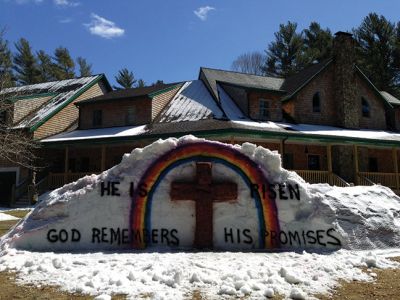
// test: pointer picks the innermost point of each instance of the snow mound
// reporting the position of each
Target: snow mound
(84, 215)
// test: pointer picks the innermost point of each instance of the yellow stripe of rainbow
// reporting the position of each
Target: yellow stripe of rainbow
(204, 151)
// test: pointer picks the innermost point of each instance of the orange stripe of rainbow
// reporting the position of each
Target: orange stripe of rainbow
(215, 152)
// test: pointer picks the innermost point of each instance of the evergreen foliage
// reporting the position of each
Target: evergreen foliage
(25, 63)
(46, 67)
(317, 43)
(64, 64)
(125, 79)
(285, 55)
(378, 51)
(85, 69)
(6, 63)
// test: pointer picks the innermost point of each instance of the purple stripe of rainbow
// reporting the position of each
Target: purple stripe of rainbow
(204, 151)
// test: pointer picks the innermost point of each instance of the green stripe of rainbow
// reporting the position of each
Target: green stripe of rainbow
(215, 152)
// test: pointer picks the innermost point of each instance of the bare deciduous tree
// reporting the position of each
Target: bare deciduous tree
(251, 63)
(16, 144)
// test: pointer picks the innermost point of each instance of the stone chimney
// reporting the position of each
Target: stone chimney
(345, 80)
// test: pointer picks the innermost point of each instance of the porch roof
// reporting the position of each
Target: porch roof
(212, 128)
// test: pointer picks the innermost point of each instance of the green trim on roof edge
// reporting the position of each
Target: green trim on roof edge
(288, 136)
(153, 94)
(76, 95)
(15, 99)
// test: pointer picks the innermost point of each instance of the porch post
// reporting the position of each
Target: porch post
(329, 162)
(396, 167)
(355, 150)
(103, 158)
(329, 157)
(66, 164)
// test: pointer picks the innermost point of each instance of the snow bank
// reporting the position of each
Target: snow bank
(224, 275)
(7, 217)
(292, 214)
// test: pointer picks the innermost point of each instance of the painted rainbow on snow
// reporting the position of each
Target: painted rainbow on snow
(204, 151)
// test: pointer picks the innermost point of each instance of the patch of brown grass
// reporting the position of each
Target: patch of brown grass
(386, 286)
(6, 225)
(17, 213)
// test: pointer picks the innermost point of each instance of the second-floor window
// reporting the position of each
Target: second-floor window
(3, 117)
(316, 103)
(130, 116)
(264, 109)
(97, 117)
(365, 109)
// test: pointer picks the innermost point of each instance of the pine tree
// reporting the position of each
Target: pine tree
(25, 63)
(6, 76)
(125, 79)
(140, 83)
(85, 69)
(318, 43)
(285, 55)
(377, 47)
(65, 65)
(46, 67)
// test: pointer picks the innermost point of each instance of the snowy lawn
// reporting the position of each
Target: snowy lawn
(177, 275)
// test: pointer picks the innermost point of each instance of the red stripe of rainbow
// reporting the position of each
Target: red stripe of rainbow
(215, 152)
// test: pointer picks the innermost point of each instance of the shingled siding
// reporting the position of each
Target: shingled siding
(68, 115)
(24, 107)
(274, 102)
(301, 106)
(161, 100)
(377, 119)
(114, 113)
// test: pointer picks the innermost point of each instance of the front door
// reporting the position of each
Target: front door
(7, 179)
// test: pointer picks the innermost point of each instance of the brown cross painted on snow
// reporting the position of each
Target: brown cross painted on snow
(204, 192)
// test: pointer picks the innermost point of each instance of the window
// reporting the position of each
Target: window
(3, 117)
(366, 112)
(288, 161)
(372, 164)
(313, 162)
(130, 116)
(264, 109)
(316, 103)
(97, 117)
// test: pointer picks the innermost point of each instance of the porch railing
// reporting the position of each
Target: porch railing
(387, 179)
(313, 176)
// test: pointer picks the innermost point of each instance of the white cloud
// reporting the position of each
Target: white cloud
(66, 3)
(103, 27)
(202, 12)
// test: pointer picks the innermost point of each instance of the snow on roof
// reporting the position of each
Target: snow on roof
(265, 82)
(192, 103)
(64, 90)
(390, 98)
(341, 132)
(111, 132)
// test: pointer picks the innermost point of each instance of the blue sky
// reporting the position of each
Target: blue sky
(171, 39)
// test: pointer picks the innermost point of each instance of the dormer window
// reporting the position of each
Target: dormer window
(264, 109)
(130, 116)
(97, 118)
(316, 103)
(3, 117)
(365, 108)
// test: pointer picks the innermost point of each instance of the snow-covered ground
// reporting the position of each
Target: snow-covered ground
(6, 217)
(217, 275)
(360, 220)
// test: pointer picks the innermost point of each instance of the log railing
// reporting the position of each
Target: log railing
(387, 179)
(312, 176)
